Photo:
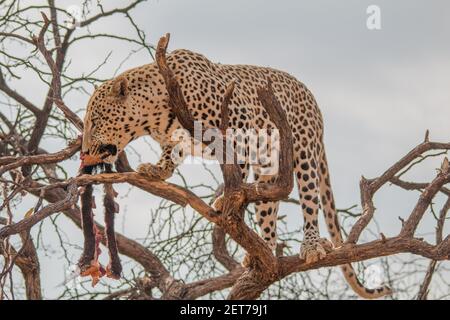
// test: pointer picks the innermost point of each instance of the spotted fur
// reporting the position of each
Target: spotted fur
(136, 104)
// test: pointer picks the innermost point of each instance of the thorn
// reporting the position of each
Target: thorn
(427, 136)
(402, 220)
(383, 237)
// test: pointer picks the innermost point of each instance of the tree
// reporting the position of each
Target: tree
(187, 254)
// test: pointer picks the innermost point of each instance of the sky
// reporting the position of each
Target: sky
(378, 90)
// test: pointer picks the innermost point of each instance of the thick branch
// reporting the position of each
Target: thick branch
(163, 189)
(379, 248)
(200, 288)
(284, 183)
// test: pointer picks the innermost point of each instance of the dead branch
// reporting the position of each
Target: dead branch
(369, 187)
(56, 72)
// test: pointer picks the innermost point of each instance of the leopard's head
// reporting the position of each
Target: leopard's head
(107, 124)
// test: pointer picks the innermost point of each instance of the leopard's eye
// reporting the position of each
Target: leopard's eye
(109, 148)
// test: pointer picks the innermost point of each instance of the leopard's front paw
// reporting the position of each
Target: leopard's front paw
(152, 171)
(315, 249)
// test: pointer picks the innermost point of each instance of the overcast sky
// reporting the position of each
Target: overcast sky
(379, 90)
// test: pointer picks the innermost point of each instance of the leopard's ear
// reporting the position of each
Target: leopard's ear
(120, 87)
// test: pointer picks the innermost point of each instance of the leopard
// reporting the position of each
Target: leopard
(136, 104)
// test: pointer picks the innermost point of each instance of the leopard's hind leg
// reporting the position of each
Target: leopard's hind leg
(313, 246)
(266, 211)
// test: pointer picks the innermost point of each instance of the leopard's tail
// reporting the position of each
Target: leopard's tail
(332, 222)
